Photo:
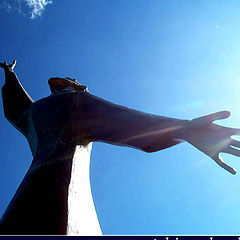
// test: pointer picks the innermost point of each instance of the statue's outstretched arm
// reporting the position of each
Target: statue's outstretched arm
(100, 120)
(16, 101)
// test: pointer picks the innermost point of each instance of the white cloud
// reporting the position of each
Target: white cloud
(37, 7)
(34, 8)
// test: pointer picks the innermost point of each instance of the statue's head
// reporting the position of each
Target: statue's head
(62, 84)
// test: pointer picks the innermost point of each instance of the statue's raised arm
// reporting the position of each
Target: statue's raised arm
(16, 101)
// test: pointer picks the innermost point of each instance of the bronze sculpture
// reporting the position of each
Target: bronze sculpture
(71, 117)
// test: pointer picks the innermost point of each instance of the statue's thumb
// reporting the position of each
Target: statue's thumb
(219, 115)
(212, 117)
(13, 64)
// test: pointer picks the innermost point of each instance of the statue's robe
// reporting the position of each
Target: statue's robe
(54, 126)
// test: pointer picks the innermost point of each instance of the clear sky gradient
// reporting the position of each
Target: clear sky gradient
(168, 57)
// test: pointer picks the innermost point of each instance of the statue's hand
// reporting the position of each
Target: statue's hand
(211, 138)
(9, 67)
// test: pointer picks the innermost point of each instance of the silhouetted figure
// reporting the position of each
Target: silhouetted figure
(60, 129)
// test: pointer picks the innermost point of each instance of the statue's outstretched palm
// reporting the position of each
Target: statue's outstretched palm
(211, 138)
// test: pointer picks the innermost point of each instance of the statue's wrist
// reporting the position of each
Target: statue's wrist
(179, 131)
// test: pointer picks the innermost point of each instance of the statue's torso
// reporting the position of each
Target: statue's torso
(55, 195)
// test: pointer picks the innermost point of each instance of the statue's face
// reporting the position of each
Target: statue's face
(65, 84)
(61, 88)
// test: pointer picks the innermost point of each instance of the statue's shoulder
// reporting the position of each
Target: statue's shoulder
(63, 99)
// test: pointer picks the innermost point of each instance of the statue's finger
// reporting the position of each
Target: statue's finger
(13, 64)
(229, 131)
(222, 164)
(212, 117)
(3, 65)
(235, 143)
(232, 151)
(218, 116)
(234, 131)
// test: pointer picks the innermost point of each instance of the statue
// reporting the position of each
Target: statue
(60, 130)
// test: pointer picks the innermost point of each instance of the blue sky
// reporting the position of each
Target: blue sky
(172, 58)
